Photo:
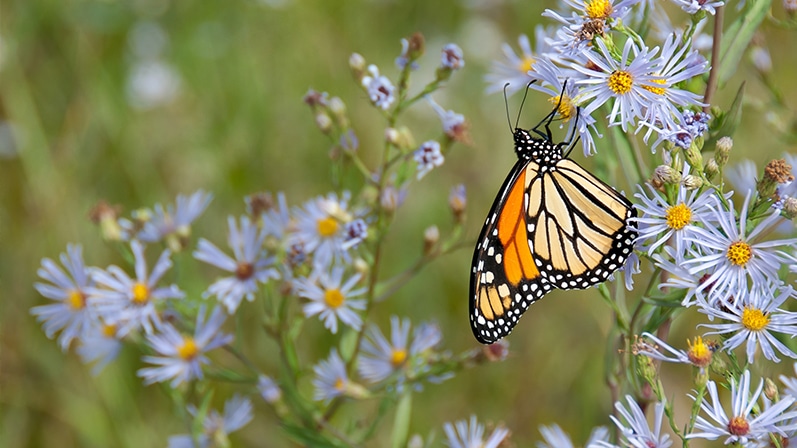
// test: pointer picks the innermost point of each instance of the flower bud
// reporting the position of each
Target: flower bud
(107, 216)
(770, 390)
(665, 175)
(789, 210)
(790, 6)
(694, 157)
(361, 267)
(357, 65)
(323, 122)
(691, 182)
(431, 236)
(711, 169)
(392, 136)
(724, 146)
(457, 201)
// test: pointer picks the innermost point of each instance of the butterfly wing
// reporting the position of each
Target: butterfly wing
(505, 279)
(579, 226)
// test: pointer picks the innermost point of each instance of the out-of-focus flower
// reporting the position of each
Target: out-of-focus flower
(380, 89)
(467, 434)
(237, 414)
(428, 157)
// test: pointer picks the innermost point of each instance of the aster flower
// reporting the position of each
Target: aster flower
(700, 352)
(752, 318)
(409, 51)
(516, 67)
(730, 254)
(250, 267)
(629, 82)
(662, 222)
(380, 89)
(554, 437)
(71, 314)
(681, 129)
(464, 434)
(237, 414)
(635, 432)
(452, 57)
(321, 228)
(741, 427)
(174, 223)
(331, 298)
(676, 64)
(694, 6)
(99, 346)
(428, 156)
(454, 124)
(131, 303)
(551, 83)
(331, 380)
(181, 357)
(585, 20)
(381, 358)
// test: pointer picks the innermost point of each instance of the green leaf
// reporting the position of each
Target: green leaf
(401, 423)
(738, 36)
(726, 123)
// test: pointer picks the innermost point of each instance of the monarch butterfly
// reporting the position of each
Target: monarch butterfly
(552, 225)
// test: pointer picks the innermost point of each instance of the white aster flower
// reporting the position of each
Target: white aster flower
(71, 314)
(250, 267)
(132, 303)
(740, 427)
(514, 70)
(464, 434)
(331, 379)
(99, 346)
(752, 318)
(694, 6)
(635, 432)
(181, 357)
(428, 156)
(628, 82)
(554, 437)
(380, 89)
(730, 255)
(173, 223)
(321, 228)
(331, 298)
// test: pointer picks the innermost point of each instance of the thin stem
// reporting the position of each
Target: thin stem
(711, 84)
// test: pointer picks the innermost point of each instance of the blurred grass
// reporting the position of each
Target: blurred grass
(238, 125)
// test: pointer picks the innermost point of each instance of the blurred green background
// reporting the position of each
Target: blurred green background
(135, 102)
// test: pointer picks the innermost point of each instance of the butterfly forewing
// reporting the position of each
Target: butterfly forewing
(552, 225)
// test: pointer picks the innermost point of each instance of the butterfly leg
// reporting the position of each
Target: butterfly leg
(549, 118)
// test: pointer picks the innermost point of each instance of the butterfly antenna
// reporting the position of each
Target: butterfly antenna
(571, 143)
(506, 104)
(525, 94)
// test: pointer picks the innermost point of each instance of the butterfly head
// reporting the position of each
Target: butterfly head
(538, 149)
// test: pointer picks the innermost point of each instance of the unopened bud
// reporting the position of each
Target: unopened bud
(392, 198)
(361, 267)
(724, 146)
(357, 64)
(646, 369)
(711, 169)
(458, 200)
(790, 6)
(693, 156)
(770, 390)
(416, 441)
(665, 175)
(323, 122)
(789, 210)
(701, 378)
(107, 216)
(392, 136)
(691, 182)
(430, 238)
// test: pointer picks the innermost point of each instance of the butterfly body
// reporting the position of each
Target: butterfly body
(552, 225)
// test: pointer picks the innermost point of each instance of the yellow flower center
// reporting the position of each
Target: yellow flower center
(140, 294)
(566, 107)
(76, 299)
(333, 298)
(754, 319)
(739, 253)
(598, 9)
(699, 352)
(738, 426)
(526, 63)
(339, 384)
(656, 90)
(620, 82)
(327, 226)
(678, 216)
(398, 357)
(188, 350)
(109, 331)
